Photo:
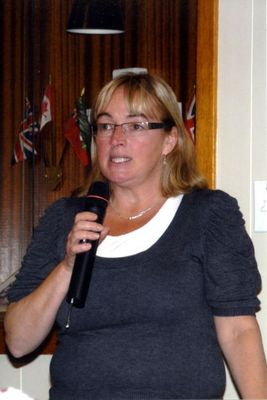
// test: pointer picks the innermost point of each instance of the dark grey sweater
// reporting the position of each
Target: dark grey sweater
(147, 329)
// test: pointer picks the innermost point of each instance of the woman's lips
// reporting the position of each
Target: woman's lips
(120, 159)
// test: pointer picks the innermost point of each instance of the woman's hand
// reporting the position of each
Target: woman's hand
(84, 230)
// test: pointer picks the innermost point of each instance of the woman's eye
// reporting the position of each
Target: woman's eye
(106, 127)
(138, 126)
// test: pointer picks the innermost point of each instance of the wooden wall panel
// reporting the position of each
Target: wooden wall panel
(206, 87)
(159, 35)
(176, 39)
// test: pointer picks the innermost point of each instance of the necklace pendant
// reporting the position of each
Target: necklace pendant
(131, 217)
(138, 215)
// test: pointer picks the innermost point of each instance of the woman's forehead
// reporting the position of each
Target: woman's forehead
(138, 101)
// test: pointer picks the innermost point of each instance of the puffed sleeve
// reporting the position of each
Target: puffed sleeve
(232, 279)
(46, 250)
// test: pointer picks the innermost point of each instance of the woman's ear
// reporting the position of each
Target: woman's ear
(170, 141)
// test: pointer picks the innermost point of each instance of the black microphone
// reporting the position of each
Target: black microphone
(96, 201)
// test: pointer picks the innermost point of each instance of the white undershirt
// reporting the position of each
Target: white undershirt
(142, 238)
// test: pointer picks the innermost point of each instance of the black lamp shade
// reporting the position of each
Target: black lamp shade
(96, 17)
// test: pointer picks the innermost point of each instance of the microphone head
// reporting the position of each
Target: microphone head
(99, 189)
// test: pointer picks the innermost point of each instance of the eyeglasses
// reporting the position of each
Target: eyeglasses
(106, 129)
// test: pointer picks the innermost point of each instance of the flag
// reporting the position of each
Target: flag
(24, 147)
(83, 121)
(190, 116)
(73, 135)
(47, 107)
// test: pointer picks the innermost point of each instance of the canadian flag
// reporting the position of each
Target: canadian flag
(47, 107)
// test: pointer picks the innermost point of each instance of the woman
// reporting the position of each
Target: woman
(174, 281)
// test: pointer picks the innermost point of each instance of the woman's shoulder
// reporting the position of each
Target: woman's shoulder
(211, 198)
(65, 204)
(60, 213)
(213, 204)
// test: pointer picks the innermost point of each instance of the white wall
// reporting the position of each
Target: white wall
(242, 111)
(32, 379)
(241, 150)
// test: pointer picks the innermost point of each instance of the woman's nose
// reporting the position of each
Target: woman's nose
(118, 134)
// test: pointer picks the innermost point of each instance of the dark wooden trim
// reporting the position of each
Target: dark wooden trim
(2, 340)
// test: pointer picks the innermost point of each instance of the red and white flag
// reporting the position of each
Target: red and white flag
(73, 135)
(190, 116)
(47, 107)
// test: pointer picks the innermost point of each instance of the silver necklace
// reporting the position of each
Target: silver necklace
(131, 217)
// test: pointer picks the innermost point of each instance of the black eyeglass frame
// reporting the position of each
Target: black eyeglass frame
(149, 125)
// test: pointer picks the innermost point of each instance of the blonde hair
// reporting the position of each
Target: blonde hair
(152, 96)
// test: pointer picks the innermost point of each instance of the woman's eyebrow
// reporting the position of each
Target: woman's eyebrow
(136, 115)
(103, 114)
(106, 114)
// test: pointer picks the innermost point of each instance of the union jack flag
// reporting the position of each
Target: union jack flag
(190, 115)
(24, 146)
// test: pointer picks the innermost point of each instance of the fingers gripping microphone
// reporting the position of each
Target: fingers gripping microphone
(96, 201)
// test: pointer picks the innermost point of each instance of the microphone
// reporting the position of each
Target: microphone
(96, 201)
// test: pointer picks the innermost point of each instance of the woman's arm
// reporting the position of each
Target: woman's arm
(241, 344)
(29, 320)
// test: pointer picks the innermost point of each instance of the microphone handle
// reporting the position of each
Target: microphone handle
(81, 276)
(84, 262)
